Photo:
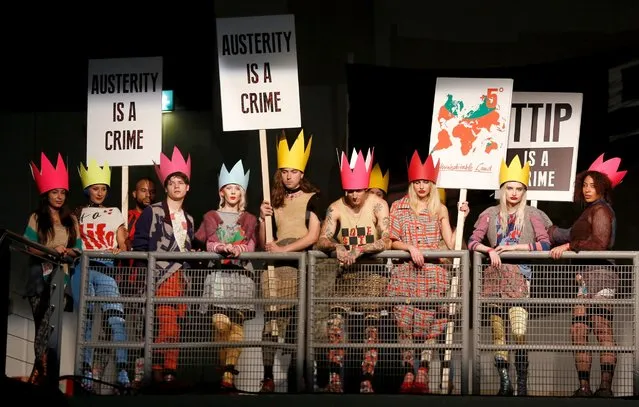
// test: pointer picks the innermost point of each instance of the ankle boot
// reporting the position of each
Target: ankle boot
(505, 385)
(521, 366)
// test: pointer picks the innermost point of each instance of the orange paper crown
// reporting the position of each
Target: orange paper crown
(176, 164)
(48, 177)
(609, 168)
(426, 171)
(356, 174)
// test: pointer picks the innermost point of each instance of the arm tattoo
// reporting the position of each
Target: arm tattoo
(326, 241)
(329, 224)
(377, 208)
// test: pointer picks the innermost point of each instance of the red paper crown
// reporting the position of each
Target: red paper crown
(356, 174)
(177, 164)
(609, 168)
(426, 171)
(48, 177)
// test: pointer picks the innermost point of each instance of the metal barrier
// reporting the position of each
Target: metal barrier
(362, 307)
(197, 331)
(48, 339)
(539, 322)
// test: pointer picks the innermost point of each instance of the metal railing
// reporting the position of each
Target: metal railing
(150, 301)
(321, 298)
(468, 347)
(545, 331)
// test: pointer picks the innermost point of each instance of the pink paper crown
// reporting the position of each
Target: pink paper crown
(48, 177)
(426, 171)
(356, 174)
(609, 168)
(177, 164)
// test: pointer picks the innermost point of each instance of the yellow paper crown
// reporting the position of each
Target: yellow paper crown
(94, 174)
(379, 180)
(296, 157)
(514, 172)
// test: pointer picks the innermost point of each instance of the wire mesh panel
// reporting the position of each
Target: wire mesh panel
(547, 328)
(111, 321)
(384, 325)
(229, 325)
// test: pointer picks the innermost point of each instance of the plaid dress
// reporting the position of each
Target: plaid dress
(423, 231)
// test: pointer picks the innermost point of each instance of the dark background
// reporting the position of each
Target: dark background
(398, 50)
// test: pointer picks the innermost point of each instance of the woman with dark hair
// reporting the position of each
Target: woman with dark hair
(101, 229)
(52, 225)
(593, 230)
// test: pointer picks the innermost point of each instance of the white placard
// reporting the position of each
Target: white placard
(544, 129)
(259, 87)
(124, 112)
(469, 130)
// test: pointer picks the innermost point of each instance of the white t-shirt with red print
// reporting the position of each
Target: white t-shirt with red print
(99, 228)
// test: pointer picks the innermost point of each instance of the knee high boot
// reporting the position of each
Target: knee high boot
(505, 385)
(501, 357)
(521, 366)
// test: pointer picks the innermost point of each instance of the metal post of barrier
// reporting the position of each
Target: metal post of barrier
(465, 317)
(308, 319)
(635, 376)
(301, 321)
(56, 302)
(150, 313)
(82, 311)
(476, 357)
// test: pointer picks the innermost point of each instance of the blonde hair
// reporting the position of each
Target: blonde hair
(433, 204)
(241, 207)
(503, 210)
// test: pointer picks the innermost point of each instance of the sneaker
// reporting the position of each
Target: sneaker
(421, 382)
(123, 379)
(227, 384)
(601, 392)
(87, 381)
(407, 384)
(583, 392)
(335, 384)
(268, 386)
(366, 387)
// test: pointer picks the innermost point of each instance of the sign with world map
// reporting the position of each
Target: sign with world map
(469, 131)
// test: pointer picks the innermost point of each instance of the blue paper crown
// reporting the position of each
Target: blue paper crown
(235, 176)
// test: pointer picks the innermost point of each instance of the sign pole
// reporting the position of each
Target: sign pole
(454, 293)
(268, 224)
(125, 190)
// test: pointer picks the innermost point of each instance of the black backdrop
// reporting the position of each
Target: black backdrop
(391, 109)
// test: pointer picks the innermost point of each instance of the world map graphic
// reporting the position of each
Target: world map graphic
(472, 127)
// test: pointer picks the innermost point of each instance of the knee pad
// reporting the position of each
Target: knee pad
(114, 316)
(221, 322)
(518, 321)
(237, 333)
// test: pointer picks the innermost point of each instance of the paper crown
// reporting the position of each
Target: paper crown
(356, 174)
(235, 176)
(177, 164)
(609, 167)
(296, 157)
(379, 180)
(94, 174)
(426, 171)
(514, 172)
(48, 177)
